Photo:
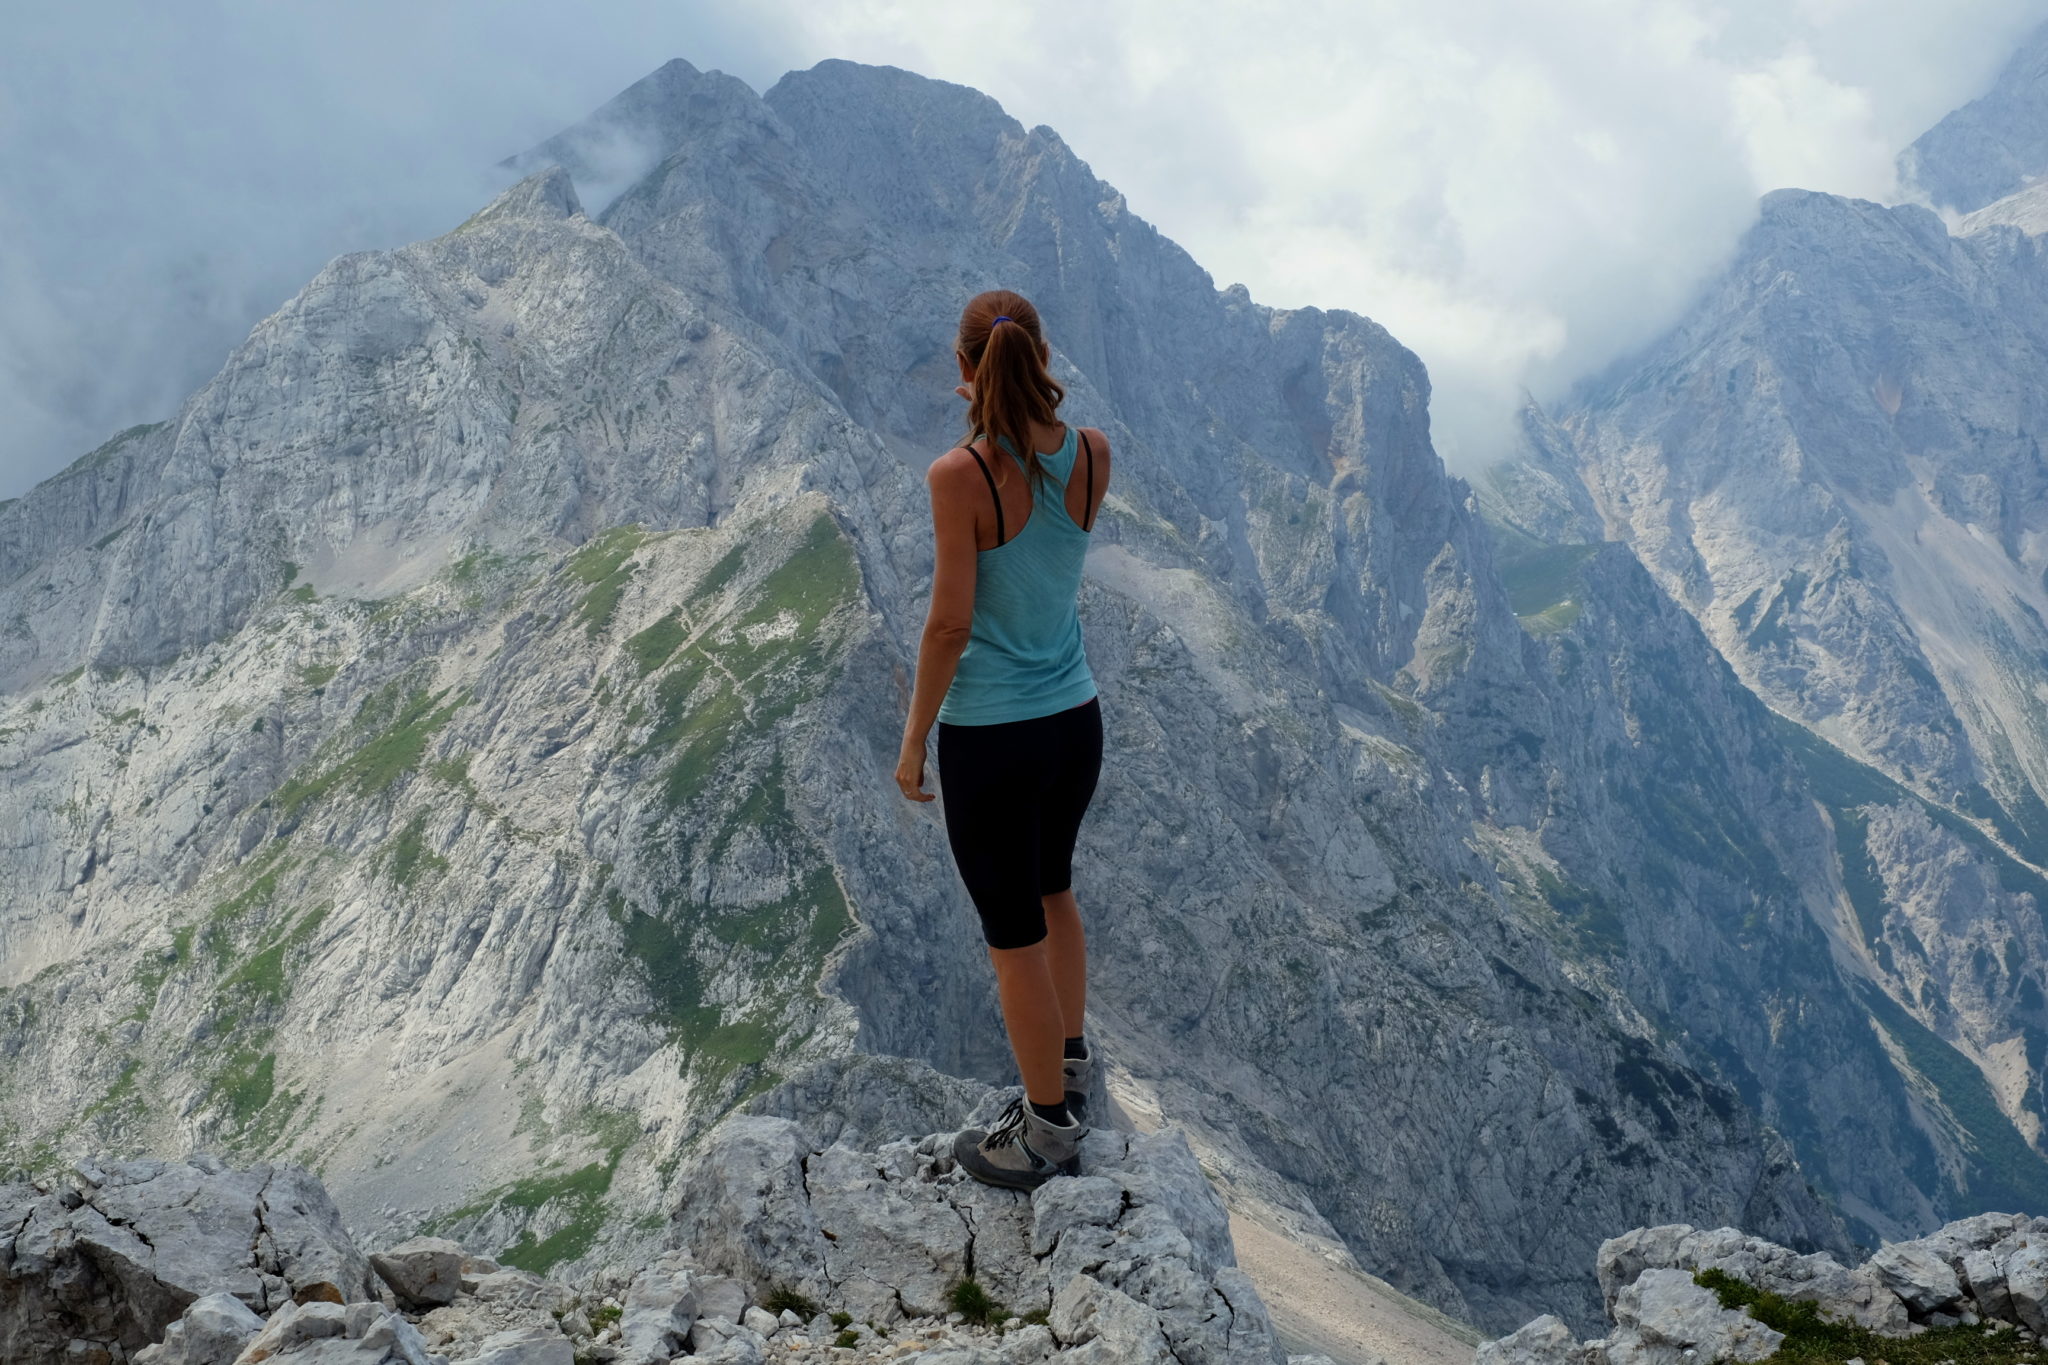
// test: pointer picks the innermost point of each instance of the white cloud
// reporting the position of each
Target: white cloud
(1519, 191)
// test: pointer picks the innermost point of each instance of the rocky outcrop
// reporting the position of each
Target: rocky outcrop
(1131, 1261)
(1990, 1270)
(118, 1251)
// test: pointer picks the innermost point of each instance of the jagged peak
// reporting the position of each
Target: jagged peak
(631, 132)
(546, 195)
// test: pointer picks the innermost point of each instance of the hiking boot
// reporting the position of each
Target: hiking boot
(1080, 1075)
(1022, 1151)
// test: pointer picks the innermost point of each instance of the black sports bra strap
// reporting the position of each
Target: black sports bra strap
(1088, 507)
(998, 498)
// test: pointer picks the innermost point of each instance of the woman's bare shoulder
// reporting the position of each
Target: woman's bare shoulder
(953, 468)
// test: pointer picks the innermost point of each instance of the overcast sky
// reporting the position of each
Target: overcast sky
(1518, 191)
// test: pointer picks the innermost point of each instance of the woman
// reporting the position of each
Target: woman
(1000, 669)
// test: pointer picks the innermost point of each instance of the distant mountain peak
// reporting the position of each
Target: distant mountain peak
(1991, 146)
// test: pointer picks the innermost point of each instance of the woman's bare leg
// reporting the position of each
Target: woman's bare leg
(1031, 1012)
(1067, 948)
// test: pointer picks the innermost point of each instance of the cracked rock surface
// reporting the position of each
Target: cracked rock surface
(118, 1251)
(192, 1263)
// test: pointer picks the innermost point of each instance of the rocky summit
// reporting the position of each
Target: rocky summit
(781, 1250)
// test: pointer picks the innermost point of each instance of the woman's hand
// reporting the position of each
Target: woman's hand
(910, 770)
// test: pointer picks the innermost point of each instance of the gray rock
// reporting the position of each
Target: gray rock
(524, 1289)
(2026, 1286)
(743, 1209)
(761, 1321)
(1663, 1318)
(896, 1246)
(1924, 1281)
(524, 1346)
(212, 1331)
(1027, 1345)
(1099, 1325)
(1858, 1296)
(424, 1272)
(1543, 1341)
(660, 1308)
(719, 1297)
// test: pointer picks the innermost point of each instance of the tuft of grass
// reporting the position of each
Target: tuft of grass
(1037, 1317)
(317, 676)
(1811, 1339)
(605, 1315)
(842, 1320)
(971, 1302)
(849, 1340)
(784, 1298)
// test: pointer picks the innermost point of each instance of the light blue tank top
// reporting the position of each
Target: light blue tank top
(1023, 655)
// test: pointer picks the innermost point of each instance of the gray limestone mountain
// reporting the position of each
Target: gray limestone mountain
(453, 750)
(1834, 464)
(1992, 146)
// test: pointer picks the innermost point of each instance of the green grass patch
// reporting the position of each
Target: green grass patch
(317, 676)
(651, 648)
(259, 981)
(407, 855)
(605, 566)
(303, 594)
(1813, 1340)
(390, 753)
(847, 1340)
(1542, 579)
(583, 1191)
(246, 1084)
(121, 1092)
(151, 975)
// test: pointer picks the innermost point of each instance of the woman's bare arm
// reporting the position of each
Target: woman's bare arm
(949, 618)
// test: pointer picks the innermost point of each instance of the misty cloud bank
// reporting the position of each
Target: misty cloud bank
(1521, 193)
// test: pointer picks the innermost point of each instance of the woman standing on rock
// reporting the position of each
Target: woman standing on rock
(1001, 670)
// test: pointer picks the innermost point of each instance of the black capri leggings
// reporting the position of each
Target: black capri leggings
(1014, 795)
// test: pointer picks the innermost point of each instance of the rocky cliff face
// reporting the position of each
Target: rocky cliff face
(472, 714)
(1833, 464)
